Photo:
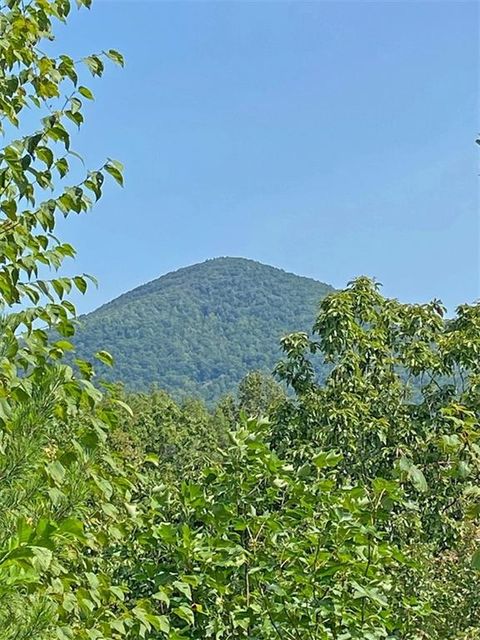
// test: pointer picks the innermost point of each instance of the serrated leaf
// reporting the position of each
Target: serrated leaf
(115, 172)
(417, 479)
(116, 57)
(152, 458)
(161, 596)
(56, 471)
(45, 155)
(72, 526)
(183, 588)
(80, 283)
(124, 405)
(185, 613)
(476, 560)
(86, 93)
(105, 357)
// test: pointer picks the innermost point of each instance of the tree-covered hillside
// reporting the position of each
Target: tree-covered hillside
(199, 330)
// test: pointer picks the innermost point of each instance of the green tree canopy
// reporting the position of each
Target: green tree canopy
(55, 491)
(353, 512)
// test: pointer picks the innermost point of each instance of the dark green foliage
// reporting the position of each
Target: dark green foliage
(199, 330)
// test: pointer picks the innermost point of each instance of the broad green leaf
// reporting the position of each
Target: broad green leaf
(476, 560)
(116, 57)
(104, 357)
(85, 92)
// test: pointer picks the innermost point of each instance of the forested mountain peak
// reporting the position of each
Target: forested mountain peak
(200, 275)
(200, 329)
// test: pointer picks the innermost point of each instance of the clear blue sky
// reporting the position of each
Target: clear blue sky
(331, 139)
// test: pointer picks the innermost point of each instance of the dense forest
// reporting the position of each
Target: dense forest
(345, 508)
(199, 330)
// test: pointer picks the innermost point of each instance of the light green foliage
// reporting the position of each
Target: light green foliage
(261, 549)
(186, 436)
(259, 394)
(54, 484)
(182, 437)
(354, 512)
(402, 405)
(200, 330)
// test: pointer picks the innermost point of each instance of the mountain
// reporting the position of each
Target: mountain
(199, 330)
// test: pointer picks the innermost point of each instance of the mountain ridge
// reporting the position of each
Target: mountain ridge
(190, 267)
